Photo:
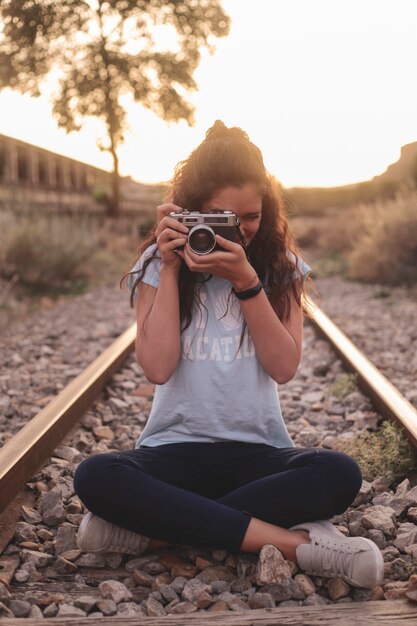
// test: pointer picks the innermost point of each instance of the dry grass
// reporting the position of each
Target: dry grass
(370, 242)
(331, 234)
(64, 254)
(385, 250)
(45, 253)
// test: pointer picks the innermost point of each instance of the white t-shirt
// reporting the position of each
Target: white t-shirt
(219, 391)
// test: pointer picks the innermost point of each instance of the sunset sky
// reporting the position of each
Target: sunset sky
(327, 89)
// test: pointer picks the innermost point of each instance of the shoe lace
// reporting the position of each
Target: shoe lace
(327, 556)
(124, 540)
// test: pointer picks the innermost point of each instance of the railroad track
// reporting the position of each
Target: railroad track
(22, 456)
(390, 403)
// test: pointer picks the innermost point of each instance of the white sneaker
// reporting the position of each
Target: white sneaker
(96, 535)
(356, 560)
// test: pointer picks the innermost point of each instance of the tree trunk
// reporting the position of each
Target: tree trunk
(113, 206)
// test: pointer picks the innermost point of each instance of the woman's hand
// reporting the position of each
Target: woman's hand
(230, 263)
(165, 209)
(170, 235)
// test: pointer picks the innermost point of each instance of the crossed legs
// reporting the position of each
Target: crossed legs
(233, 496)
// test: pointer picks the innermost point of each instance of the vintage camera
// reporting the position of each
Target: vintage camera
(204, 227)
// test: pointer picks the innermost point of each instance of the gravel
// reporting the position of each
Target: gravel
(382, 322)
(54, 579)
(43, 353)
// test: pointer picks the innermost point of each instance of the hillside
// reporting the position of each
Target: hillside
(403, 169)
(313, 200)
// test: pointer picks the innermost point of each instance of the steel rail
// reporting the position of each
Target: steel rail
(385, 397)
(22, 455)
(26, 451)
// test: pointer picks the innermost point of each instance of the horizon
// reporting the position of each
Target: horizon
(165, 182)
(324, 112)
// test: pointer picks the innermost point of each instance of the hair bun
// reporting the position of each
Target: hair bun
(216, 130)
(219, 129)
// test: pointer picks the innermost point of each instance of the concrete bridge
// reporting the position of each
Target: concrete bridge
(33, 178)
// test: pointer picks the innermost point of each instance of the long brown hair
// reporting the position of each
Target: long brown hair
(227, 158)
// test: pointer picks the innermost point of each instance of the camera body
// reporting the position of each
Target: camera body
(205, 226)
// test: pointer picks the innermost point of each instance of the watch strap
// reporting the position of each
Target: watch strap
(248, 293)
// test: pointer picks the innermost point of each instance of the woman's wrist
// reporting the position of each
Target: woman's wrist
(170, 269)
(244, 283)
(249, 293)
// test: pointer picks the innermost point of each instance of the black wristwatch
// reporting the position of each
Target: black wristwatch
(248, 293)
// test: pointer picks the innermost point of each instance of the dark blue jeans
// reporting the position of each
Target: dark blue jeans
(204, 494)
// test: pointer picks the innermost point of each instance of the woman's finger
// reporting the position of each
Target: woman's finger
(198, 262)
(217, 257)
(175, 243)
(173, 224)
(165, 209)
(169, 233)
(226, 244)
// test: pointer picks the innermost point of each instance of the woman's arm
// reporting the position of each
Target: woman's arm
(158, 340)
(277, 344)
(158, 322)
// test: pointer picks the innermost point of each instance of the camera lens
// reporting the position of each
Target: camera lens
(202, 239)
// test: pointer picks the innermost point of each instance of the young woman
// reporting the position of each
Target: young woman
(215, 465)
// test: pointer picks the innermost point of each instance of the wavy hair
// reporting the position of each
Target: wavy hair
(227, 158)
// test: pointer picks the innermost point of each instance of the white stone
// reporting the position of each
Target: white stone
(272, 567)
